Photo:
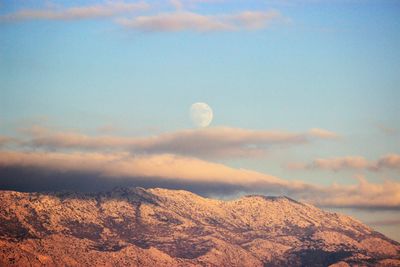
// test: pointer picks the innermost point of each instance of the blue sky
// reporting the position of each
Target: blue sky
(132, 69)
(343, 55)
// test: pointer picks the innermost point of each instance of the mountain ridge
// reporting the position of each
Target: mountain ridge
(163, 227)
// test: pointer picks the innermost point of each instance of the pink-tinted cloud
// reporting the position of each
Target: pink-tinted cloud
(322, 133)
(190, 21)
(156, 20)
(162, 168)
(108, 9)
(165, 166)
(177, 21)
(390, 161)
(254, 19)
(206, 142)
(364, 194)
(192, 4)
(177, 4)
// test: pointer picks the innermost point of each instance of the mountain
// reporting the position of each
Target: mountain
(160, 227)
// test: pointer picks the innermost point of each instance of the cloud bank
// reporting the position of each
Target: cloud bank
(217, 142)
(124, 165)
(75, 168)
(49, 160)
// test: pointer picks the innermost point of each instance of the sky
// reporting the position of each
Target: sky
(304, 94)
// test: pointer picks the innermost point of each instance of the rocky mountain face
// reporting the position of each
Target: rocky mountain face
(159, 227)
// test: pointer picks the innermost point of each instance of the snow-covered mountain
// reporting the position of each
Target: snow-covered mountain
(160, 227)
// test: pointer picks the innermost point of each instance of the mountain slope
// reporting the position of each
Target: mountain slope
(159, 227)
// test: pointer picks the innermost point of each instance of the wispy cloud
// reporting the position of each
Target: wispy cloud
(390, 161)
(4, 140)
(322, 133)
(108, 9)
(207, 142)
(177, 21)
(156, 19)
(192, 173)
(189, 21)
(177, 4)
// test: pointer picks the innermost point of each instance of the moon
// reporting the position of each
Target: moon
(201, 114)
